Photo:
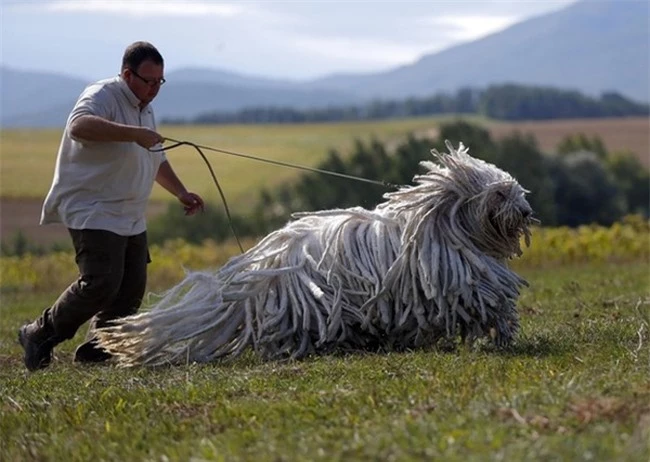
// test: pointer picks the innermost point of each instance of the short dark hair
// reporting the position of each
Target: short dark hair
(138, 52)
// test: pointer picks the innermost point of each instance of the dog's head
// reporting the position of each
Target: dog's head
(471, 200)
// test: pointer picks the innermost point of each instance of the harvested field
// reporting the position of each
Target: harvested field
(23, 214)
(620, 134)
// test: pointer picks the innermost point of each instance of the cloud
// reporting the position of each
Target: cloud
(360, 52)
(470, 27)
(148, 8)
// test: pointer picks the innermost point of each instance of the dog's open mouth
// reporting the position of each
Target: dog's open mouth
(512, 231)
(524, 231)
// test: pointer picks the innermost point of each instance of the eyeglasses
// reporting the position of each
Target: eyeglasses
(150, 82)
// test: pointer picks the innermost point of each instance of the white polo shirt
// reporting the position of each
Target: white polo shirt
(104, 185)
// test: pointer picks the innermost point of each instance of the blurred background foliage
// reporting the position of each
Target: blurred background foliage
(581, 184)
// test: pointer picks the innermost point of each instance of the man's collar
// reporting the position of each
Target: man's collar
(134, 100)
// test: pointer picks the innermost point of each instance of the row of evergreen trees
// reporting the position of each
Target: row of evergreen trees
(504, 102)
(583, 183)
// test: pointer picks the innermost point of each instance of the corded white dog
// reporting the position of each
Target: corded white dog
(428, 263)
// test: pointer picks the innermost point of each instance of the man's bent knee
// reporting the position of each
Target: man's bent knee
(101, 288)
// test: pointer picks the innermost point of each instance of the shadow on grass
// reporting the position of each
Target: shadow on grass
(540, 345)
(537, 346)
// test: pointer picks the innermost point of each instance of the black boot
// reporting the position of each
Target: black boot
(38, 341)
(91, 352)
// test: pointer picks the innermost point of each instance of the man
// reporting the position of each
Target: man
(104, 174)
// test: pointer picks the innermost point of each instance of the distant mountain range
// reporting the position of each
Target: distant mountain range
(591, 46)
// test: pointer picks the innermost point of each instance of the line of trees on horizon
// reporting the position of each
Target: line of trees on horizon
(503, 102)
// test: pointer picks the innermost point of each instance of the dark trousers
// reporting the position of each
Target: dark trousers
(111, 283)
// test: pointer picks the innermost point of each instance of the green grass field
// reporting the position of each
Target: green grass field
(575, 386)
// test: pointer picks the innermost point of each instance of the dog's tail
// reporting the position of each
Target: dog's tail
(189, 323)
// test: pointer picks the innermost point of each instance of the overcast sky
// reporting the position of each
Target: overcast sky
(285, 39)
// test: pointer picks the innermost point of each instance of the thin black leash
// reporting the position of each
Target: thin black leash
(214, 178)
(199, 148)
(280, 163)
